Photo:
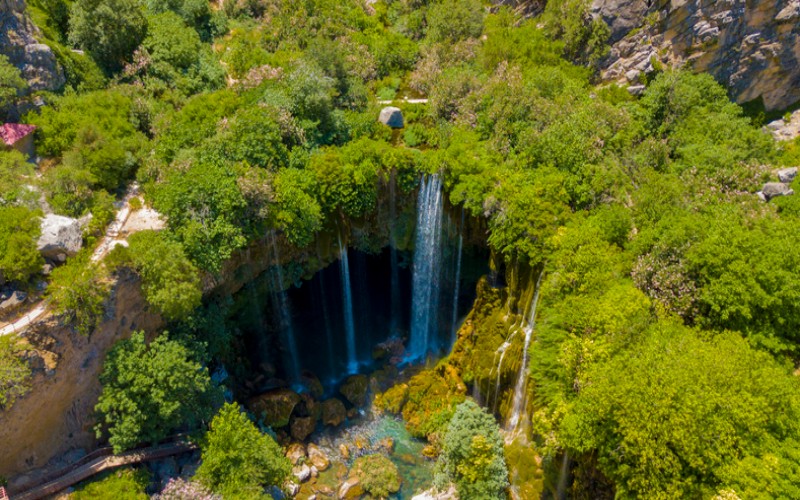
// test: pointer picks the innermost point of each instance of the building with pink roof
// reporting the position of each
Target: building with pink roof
(17, 136)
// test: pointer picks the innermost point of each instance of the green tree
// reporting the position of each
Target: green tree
(472, 454)
(121, 484)
(109, 30)
(19, 232)
(452, 20)
(152, 390)
(169, 279)
(238, 460)
(15, 372)
(78, 290)
(15, 171)
(205, 210)
(668, 416)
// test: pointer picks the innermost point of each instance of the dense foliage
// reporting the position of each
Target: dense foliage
(472, 454)
(668, 322)
(238, 460)
(151, 390)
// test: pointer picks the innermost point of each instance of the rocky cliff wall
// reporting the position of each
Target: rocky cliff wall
(57, 414)
(750, 46)
(18, 41)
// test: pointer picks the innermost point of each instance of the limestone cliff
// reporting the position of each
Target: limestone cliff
(18, 42)
(750, 46)
(57, 414)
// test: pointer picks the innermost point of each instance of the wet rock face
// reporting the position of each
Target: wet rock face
(752, 47)
(18, 42)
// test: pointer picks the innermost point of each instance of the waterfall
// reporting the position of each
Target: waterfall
(349, 321)
(458, 279)
(427, 257)
(563, 475)
(502, 352)
(283, 312)
(518, 408)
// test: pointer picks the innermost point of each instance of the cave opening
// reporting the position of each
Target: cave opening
(301, 334)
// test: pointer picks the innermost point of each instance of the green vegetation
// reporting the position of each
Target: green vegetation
(238, 460)
(14, 372)
(377, 475)
(78, 291)
(170, 281)
(151, 390)
(667, 327)
(124, 484)
(472, 454)
(19, 232)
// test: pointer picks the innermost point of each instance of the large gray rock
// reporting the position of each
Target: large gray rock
(18, 41)
(786, 130)
(60, 236)
(775, 189)
(392, 117)
(750, 47)
(787, 175)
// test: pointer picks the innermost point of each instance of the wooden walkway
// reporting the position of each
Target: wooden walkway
(96, 462)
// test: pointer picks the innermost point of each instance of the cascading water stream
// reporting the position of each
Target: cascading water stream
(457, 282)
(283, 312)
(520, 399)
(329, 342)
(349, 321)
(427, 266)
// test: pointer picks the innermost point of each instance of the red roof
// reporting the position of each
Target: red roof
(13, 132)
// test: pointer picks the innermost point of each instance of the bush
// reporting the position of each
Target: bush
(15, 372)
(149, 391)
(378, 475)
(472, 454)
(109, 30)
(170, 281)
(237, 459)
(19, 233)
(78, 290)
(122, 484)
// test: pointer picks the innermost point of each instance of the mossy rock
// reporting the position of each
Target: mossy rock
(393, 399)
(275, 407)
(333, 412)
(355, 389)
(377, 474)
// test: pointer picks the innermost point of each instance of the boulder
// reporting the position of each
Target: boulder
(333, 412)
(302, 427)
(313, 384)
(774, 189)
(391, 117)
(351, 489)
(275, 407)
(784, 129)
(355, 389)
(787, 175)
(318, 458)
(301, 472)
(296, 453)
(60, 236)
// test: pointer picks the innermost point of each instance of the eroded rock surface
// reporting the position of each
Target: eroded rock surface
(750, 46)
(18, 41)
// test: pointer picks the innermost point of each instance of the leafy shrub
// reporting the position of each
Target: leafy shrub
(237, 459)
(472, 454)
(377, 474)
(152, 390)
(14, 372)
(122, 484)
(78, 290)
(19, 233)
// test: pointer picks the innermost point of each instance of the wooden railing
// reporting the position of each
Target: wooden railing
(95, 463)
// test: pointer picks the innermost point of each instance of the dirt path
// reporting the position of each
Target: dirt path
(405, 101)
